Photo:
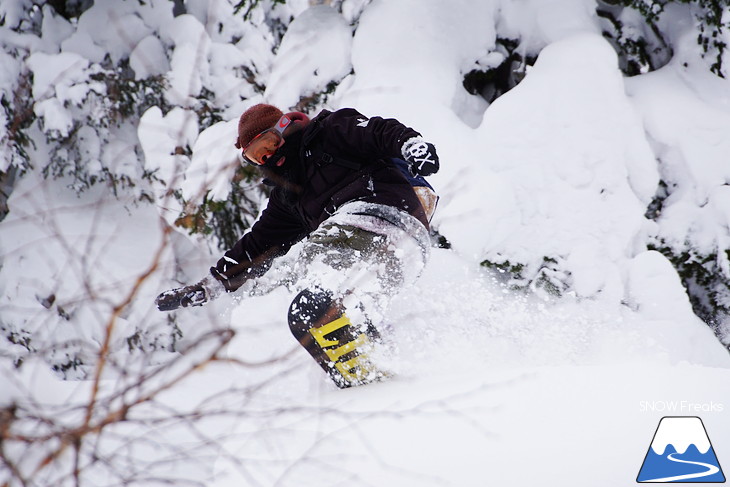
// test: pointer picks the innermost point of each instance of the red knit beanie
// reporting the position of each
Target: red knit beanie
(254, 121)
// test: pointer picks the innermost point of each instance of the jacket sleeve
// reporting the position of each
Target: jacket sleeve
(271, 236)
(354, 133)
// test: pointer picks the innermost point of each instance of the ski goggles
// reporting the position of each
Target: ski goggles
(265, 144)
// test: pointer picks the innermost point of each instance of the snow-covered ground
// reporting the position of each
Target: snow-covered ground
(492, 384)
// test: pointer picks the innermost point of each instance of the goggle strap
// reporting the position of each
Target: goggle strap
(282, 124)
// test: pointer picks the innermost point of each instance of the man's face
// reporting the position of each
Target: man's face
(265, 144)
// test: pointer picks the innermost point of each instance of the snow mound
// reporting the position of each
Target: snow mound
(314, 52)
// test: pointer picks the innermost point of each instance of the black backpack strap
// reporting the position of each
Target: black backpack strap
(326, 158)
(320, 158)
(315, 126)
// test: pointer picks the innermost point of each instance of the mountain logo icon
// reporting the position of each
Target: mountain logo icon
(681, 452)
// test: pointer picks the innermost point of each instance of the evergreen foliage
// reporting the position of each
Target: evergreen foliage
(228, 219)
(707, 284)
(491, 82)
(248, 6)
(704, 275)
(87, 136)
(18, 109)
(114, 97)
(644, 48)
(548, 277)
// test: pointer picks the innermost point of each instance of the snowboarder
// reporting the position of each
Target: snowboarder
(352, 189)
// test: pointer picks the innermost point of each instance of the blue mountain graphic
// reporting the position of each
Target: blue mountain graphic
(668, 465)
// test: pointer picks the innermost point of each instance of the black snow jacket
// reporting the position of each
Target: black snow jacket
(342, 156)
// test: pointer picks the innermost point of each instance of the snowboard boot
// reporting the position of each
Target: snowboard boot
(340, 348)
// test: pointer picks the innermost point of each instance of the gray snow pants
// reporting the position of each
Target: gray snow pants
(348, 271)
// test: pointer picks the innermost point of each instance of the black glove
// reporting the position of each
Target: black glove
(421, 156)
(193, 295)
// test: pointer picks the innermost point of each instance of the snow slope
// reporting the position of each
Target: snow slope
(492, 385)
